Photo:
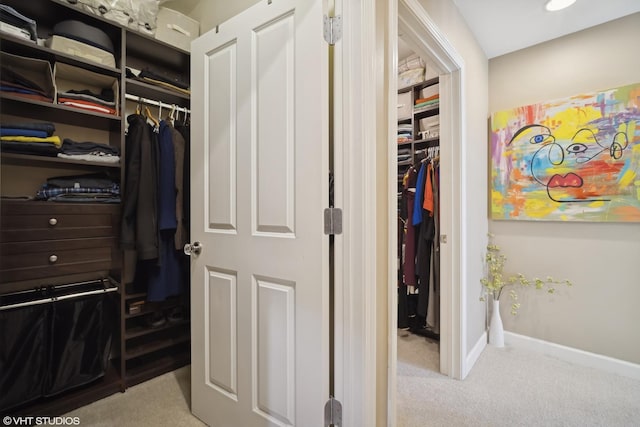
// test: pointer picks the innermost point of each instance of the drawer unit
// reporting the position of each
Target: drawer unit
(40, 241)
(54, 258)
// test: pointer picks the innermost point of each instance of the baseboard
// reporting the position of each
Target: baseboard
(574, 355)
(474, 354)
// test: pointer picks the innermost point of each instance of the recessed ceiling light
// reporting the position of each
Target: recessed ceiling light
(553, 5)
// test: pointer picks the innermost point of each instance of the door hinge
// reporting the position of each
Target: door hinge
(333, 221)
(332, 29)
(333, 413)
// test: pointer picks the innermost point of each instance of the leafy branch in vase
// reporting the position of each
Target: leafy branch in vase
(495, 281)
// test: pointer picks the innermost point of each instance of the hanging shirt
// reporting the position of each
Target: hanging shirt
(167, 180)
(417, 207)
(428, 191)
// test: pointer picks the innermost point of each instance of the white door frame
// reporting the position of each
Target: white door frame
(426, 39)
(421, 33)
(365, 122)
(355, 277)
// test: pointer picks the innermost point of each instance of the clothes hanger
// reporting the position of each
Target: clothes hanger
(171, 116)
(150, 116)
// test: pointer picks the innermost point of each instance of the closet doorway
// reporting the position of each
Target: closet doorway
(424, 38)
(418, 225)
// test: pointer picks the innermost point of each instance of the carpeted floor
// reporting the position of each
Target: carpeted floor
(507, 387)
(162, 401)
(510, 387)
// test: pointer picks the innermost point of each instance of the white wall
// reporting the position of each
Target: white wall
(600, 312)
(474, 218)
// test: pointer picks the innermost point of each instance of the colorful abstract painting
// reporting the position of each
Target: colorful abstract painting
(574, 159)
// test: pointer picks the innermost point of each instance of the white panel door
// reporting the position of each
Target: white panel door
(259, 165)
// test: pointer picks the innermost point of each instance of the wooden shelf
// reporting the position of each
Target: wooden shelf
(426, 83)
(154, 346)
(157, 366)
(54, 112)
(129, 297)
(140, 331)
(45, 159)
(164, 305)
(432, 142)
(426, 112)
(146, 90)
(22, 47)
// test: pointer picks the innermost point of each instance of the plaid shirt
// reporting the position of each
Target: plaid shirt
(46, 192)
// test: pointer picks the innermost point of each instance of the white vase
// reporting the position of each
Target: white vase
(496, 331)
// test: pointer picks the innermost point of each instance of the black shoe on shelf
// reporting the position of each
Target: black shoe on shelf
(156, 319)
(175, 315)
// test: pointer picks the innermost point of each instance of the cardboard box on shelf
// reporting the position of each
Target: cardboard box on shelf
(176, 29)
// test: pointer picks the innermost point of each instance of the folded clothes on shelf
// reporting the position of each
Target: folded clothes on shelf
(89, 151)
(80, 188)
(70, 147)
(156, 79)
(36, 129)
(31, 148)
(15, 19)
(55, 140)
(87, 105)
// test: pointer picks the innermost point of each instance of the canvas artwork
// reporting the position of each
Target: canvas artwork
(574, 159)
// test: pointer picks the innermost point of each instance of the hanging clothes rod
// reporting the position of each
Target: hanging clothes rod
(156, 103)
(51, 299)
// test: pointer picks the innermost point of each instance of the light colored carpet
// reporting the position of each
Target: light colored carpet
(161, 401)
(510, 387)
(507, 387)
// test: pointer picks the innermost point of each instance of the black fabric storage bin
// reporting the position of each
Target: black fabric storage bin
(49, 348)
(82, 331)
(24, 349)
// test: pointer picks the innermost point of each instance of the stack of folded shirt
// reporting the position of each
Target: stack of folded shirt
(405, 133)
(80, 188)
(14, 23)
(103, 102)
(425, 103)
(30, 138)
(91, 151)
(157, 79)
(14, 82)
(404, 155)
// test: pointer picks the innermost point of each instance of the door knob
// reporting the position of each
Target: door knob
(193, 248)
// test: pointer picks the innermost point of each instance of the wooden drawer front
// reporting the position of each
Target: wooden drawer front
(53, 261)
(27, 248)
(51, 227)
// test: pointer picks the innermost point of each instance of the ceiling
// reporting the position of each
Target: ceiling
(503, 26)
(527, 23)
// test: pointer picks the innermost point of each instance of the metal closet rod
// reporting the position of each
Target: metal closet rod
(156, 103)
(62, 297)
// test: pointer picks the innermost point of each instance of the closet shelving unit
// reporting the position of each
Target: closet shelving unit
(413, 118)
(416, 145)
(149, 352)
(138, 352)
